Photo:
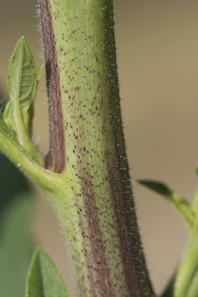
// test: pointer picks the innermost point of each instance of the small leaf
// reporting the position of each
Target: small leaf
(158, 187)
(31, 109)
(40, 71)
(22, 74)
(19, 111)
(16, 246)
(43, 278)
(22, 83)
(179, 204)
(5, 129)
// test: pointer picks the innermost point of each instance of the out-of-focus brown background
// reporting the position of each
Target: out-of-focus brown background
(157, 53)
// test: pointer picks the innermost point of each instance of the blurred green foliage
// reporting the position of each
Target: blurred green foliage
(16, 246)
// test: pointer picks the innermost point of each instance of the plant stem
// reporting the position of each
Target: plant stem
(96, 208)
(186, 279)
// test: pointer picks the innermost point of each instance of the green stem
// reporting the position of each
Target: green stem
(96, 210)
(46, 180)
(186, 284)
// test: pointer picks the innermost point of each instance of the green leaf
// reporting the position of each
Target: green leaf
(179, 204)
(40, 71)
(158, 187)
(22, 83)
(5, 129)
(31, 109)
(16, 246)
(22, 74)
(15, 215)
(43, 278)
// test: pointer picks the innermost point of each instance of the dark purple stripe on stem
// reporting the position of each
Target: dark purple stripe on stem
(55, 159)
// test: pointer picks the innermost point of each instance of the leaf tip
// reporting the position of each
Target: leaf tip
(156, 186)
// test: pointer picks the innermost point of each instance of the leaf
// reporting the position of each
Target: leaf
(15, 210)
(5, 129)
(22, 83)
(179, 204)
(22, 74)
(43, 278)
(31, 109)
(18, 113)
(40, 71)
(158, 187)
(16, 246)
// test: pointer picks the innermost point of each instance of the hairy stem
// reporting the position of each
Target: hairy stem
(96, 207)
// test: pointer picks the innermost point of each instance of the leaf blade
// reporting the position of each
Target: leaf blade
(156, 186)
(179, 204)
(43, 278)
(22, 74)
(22, 84)
(16, 244)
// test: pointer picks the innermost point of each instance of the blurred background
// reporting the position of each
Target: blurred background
(157, 49)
